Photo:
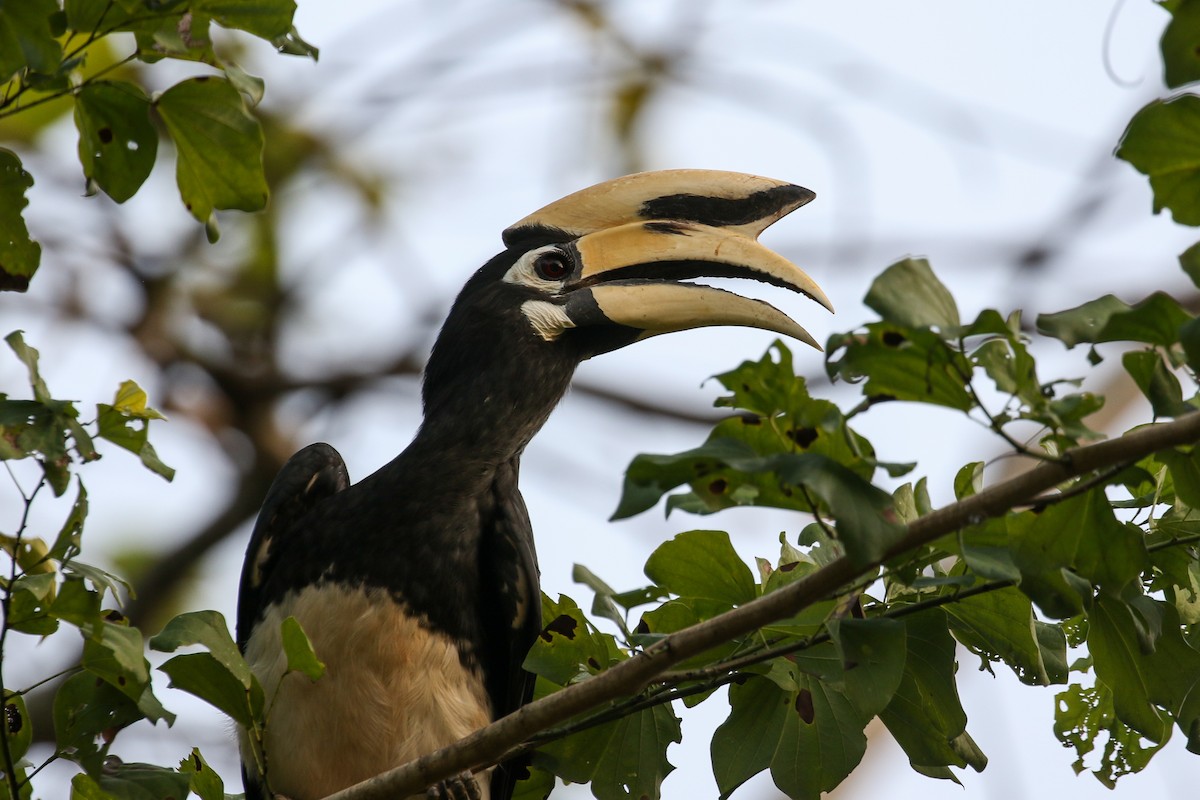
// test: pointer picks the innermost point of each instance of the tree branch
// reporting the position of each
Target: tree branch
(493, 742)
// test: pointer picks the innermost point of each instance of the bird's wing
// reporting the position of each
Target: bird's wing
(311, 475)
(514, 617)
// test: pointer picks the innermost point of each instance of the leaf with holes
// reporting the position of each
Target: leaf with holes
(19, 255)
(1000, 625)
(117, 142)
(902, 363)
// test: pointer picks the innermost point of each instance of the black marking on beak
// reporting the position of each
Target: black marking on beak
(722, 212)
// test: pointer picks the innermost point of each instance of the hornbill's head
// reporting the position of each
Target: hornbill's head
(610, 265)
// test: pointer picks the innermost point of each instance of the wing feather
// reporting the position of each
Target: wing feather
(310, 476)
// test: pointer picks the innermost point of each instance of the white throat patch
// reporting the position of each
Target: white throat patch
(548, 319)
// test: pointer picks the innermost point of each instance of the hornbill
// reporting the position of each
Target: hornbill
(418, 586)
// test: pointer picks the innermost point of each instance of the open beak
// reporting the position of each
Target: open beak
(636, 241)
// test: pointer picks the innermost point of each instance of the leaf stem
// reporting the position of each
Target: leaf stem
(10, 767)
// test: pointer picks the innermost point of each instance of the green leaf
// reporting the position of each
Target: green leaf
(1052, 644)
(1081, 716)
(1181, 45)
(925, 716)
(969, 480)
(1081, 533)
(29, 357)
(873, 656)
(1157, 382)
(986, 550)
(221, 677)
(1120, 663)
(299, 650)
(822, 741)
(1163, 142)
(18, 726)
(168, 35)
(908, 293)
(649, 477)
(114, 653)
(1185, 474)
(67, 543)
(86, 16)
(745, 743)
(568, 649)
(84, 709)
(209, 630)
(1000, 625)
(203, 780)
(219, 147)
(252, 87)
(702, 564)
(133, 781)
(1144, 680)
(603, 604)
(1189, 337)
(99, 578)
(1155, 320)
(864, 513)
(26, 37)
(19, 255)
(78, 605)
(126, 423)
(1189, 261)
(29, 604)
(902, 363)
(202, 675)
(1082, 323)
(291, 44)
(267, 19)
(117, 142)
(623, 760)
(537, 786)
(675, 615)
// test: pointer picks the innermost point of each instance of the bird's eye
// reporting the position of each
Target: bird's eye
(551, 266)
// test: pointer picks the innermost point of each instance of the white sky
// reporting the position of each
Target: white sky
(953, 130)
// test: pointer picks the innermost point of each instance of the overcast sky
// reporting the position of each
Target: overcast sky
(965, 132)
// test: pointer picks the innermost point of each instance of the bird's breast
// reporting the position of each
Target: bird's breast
(393, 689)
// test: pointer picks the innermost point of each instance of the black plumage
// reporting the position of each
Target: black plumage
(419, 585)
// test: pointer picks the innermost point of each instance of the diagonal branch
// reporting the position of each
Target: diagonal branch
(493, 742)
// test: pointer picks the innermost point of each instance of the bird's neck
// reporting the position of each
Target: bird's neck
(488, 416)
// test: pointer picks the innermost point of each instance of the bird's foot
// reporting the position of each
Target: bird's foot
(462, 786)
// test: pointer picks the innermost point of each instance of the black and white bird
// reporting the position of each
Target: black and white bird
(418, 586)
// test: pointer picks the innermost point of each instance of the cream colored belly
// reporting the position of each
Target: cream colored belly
(392, 691)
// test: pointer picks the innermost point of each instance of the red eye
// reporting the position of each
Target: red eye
(551, 266)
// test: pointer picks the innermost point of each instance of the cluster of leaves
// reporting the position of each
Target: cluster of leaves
(48, 591)
(77, 52)
(1100, 594)
(1096, 587)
